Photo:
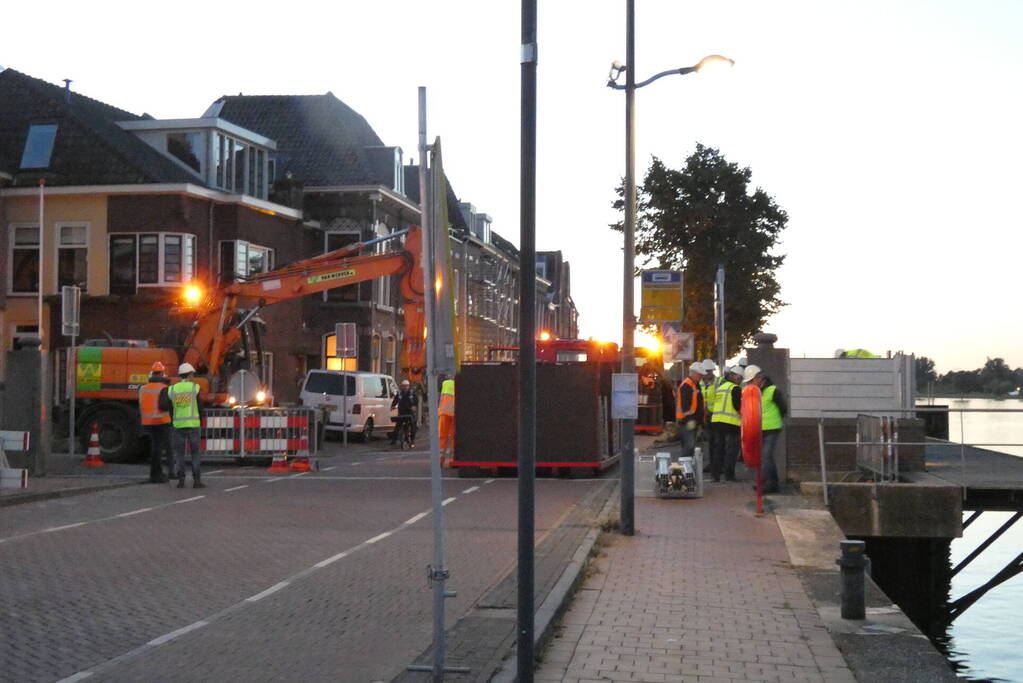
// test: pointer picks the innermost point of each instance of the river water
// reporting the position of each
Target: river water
(986, 641)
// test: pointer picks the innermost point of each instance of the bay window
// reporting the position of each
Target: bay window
(159, 259)
(241, 259)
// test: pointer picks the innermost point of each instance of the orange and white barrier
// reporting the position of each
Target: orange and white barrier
(259, 432)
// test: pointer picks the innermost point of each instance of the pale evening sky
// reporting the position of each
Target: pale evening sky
(889, 131)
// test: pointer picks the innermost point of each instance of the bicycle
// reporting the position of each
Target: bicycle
(406, 437)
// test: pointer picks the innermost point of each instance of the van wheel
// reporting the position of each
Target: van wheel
(367, 431)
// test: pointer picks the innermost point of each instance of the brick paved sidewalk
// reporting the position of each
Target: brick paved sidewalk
(703, 592)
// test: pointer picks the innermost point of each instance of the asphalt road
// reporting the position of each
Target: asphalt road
(311, 576)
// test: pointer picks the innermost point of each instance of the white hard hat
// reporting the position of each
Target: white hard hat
(750, 372)
(405, 382)
(697, 368)
(709, 366)
(185, 369)
(742, 362)
(839, 352)
(735, 370)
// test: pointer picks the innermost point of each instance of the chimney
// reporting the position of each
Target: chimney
(67, 90)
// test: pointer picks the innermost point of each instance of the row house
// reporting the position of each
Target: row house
(135, 208)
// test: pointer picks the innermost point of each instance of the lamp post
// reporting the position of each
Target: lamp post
(626, 524)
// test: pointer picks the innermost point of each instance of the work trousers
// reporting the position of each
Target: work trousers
(187, 437)
(769, 470)
(160, 450)
(446, 429)
(724, 450)
(687, 435)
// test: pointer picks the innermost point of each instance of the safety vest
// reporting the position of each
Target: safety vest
(769, 411)
(149, 404)
(185, 398)
(709, 393)
(680, 412)
(447, 398)
(724, 411)
(859, 353)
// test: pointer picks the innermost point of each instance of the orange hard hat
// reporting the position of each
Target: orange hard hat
(157, 367)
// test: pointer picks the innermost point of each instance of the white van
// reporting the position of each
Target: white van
(369, 398)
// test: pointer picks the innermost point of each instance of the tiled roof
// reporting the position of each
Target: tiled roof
(412, 192)
(320, 139)
(89, 149)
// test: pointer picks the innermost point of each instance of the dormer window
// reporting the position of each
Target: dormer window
(39, 145)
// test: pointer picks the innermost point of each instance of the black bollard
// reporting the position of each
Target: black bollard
(852, 563)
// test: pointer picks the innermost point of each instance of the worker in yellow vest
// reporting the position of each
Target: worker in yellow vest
(725, 424)
(446, 422)
(773, 409)
(182, 401)
(689, 408)
(156, 425)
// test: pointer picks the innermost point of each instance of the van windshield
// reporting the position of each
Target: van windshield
(329, 383)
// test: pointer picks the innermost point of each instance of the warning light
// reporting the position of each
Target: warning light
(545, 336)
(260, 396)
(193, 293)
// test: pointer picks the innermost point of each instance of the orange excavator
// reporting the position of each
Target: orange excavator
(107, 378)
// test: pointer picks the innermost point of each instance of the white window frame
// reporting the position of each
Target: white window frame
(58, 226)
(271, 256)
(186, 277)
(382, 291)
(11, 230)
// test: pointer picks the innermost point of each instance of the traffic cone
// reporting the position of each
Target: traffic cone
(301, 464)
(92, 458)
(279, 464)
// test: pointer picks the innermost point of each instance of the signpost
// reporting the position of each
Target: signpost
(661, 296)
(70, 308)
(346, 345)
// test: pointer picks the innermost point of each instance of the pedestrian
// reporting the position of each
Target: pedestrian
(405, 401)
(446, 422)
(725, 424)
(182, 401)
(773, 410)
(708, 387)
(156, 425)
(689, 408)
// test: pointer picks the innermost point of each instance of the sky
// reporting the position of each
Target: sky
(890, 131)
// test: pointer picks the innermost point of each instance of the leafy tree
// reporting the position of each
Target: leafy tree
(925, 373)
(961, 382)
(702, 215)
(996, 377)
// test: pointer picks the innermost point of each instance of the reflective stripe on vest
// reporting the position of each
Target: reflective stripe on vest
(185, 398)
(724, 411)
(680, 412)
(149, 404)
(769, 410)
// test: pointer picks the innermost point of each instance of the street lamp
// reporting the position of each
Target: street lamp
(626, 524)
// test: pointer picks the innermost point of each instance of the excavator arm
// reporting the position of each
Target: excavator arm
(216, 329)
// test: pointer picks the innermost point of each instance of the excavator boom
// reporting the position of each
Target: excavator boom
(216, 331)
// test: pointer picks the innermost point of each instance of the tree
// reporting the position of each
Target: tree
(702, 215)
(925, 373)
(996, 377)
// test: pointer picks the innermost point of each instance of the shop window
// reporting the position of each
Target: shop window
(331, 361)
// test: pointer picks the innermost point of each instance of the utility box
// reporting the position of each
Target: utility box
(574, 429)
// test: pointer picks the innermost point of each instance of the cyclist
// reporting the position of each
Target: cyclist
(405, 401)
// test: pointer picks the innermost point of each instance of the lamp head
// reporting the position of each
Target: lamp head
(617, 69)
(714, 62)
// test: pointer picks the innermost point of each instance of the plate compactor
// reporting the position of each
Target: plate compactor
(681, 479)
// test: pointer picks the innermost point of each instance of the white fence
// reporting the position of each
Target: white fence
(851, 385)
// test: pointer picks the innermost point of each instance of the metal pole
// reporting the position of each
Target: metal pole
(527, 343)
(72, 387)
(437, 572)
(627, 524)
(42, 439)
(719, 318)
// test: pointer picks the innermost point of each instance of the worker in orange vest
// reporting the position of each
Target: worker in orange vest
(156, 424)
(446, 421)
(689, 408)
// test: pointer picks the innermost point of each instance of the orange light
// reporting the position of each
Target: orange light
(437, 285)
(650, 342)
(545, 336)
(193, 293)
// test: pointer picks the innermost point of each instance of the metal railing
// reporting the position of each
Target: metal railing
(877, 441)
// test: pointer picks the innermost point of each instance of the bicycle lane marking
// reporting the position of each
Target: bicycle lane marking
(297, 577)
